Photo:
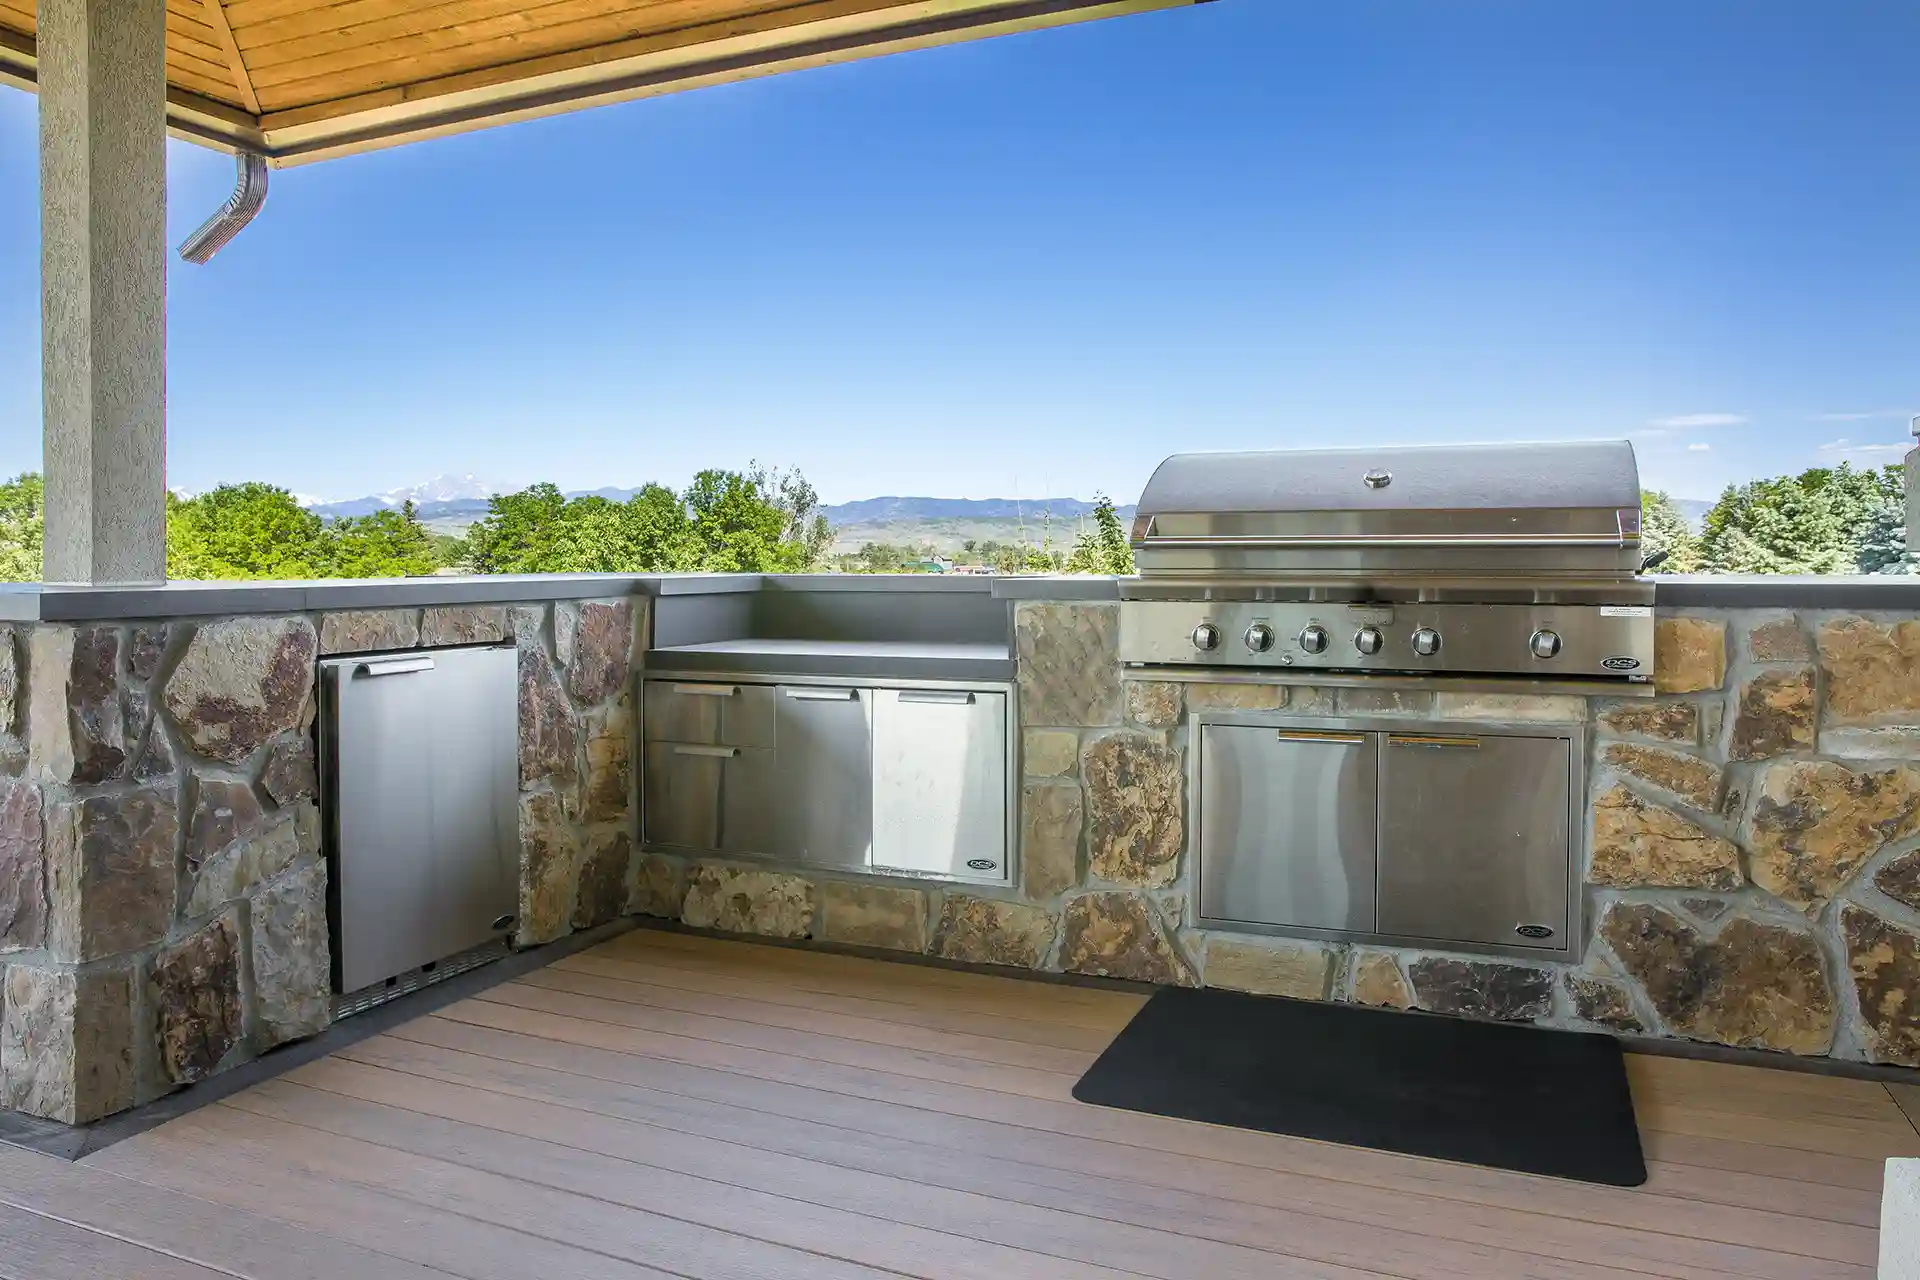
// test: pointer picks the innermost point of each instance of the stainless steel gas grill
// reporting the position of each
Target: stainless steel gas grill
(1504, 561)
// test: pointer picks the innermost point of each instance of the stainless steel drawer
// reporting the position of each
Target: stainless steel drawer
(1474, 838)
(1287, 826)
(721, 714)
(681, 794)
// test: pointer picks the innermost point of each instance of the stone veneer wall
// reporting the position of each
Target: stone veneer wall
(162, 892)
(1752, 844)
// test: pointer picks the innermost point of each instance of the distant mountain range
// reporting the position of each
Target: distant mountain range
(449, 504)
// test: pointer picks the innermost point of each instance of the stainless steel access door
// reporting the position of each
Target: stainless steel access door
(1473, 838)
(1287, 826)
(940, 783)
(421, 753)
(823, 775)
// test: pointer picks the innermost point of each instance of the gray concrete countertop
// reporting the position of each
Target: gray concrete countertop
(32, 602)
(878, 659)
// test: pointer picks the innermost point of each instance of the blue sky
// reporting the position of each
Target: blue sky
(1037, 264)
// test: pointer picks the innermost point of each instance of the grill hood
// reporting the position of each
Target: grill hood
(1560, 514)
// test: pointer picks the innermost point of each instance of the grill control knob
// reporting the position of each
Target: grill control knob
(1206, 637)
(1368, 640)
(1544, 643)
(1314, 639)
(1426, 642)
(1259, 637)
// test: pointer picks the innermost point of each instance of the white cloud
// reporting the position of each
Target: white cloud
(1685, 421)
(1865, 416)
(1698, 448)
(1846, 449)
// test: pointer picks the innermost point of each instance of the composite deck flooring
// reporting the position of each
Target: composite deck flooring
(670, 1105)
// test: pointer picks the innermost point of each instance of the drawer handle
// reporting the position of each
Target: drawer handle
(822, 695)
(937, 697)
(1432, 740)
(395, 667)
(707, 690)
(1331, 739)
(713, 753)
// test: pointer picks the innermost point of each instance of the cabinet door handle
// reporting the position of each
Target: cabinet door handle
(394, 667)
(1432, 740)
(707, 690)
(1331, 739)
(937, 697)
(715, 753)
(802, 694)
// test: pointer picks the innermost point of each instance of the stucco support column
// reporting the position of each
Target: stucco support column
(1912, 475)
(103, 272)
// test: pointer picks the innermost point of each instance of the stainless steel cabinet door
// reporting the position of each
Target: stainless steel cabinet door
(1287, 826)
(422, 755)
(1473, 839)
(824, 762)
(681, 793)
(940, 782)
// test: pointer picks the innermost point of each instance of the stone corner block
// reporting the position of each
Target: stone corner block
(1052, 815)
(292, 958)
(67, 1042)
(1488, 989)
(1122, 935)
(195, 993)
(110, 872)
(659, 887)
(1872, 671)
(1640, 844)
(993, 931)
(361, 630)
(1068, 664)
(1775, 714)
(874, 915)
(241, 682)
(1510, 706)
(1753, 985)
(733, 900)
(1156, 704)
(463, 624)
(1135, 802)
(1377, 981)
(1689, 654)
(1814, 823)
(1778, 638)
(1300, 970)
(1049, 753)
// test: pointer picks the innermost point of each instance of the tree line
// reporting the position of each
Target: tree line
(1823, 521)
(754, 521)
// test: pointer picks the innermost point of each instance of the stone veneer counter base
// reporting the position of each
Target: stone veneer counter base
(77, 1141)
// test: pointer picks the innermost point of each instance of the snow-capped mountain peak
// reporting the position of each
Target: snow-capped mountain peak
(444, 488)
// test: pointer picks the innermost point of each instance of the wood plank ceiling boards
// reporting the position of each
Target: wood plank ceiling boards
(305, 80)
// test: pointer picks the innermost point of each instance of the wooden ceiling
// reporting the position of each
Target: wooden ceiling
(302, 80)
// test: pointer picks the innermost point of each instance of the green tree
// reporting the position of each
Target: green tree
(22, 527)
(1102, 549)
(248, 530)
(1884, 548)
(521, 532)
(758, 521)
(1663, 528)
(386, 544)
(1814, 522)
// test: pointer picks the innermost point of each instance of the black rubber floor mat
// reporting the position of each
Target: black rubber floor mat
(1521, 1098)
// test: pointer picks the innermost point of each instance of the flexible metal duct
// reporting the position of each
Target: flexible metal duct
(249, 193)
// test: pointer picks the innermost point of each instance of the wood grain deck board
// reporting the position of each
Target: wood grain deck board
(670, 1104)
